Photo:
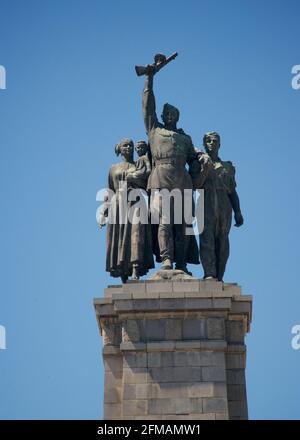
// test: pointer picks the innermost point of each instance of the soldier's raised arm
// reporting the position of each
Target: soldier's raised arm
(149, 106)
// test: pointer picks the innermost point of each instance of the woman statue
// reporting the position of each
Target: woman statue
(129, 243)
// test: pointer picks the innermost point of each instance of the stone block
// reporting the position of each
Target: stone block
(113, 380)
(218, 359)
(187, 345)
(155, 329)
(193, 416)
(173, 329)
(175, 374)
(210, 286)
(235, 361)
(112, 395)
(146, 304)
(132, 346)
(172, 295)
(112, 411)
(186, 286)
(238, 408)
(123, 305)
(129, 391)
(113, 289)
(111, 331)
(215, 328)
(215, 404)
(172, 303)
(134, 407)
(133, 360)
(236, 392)
(222, 303)
(193, 329)
(134, 287)
(220, 389)
(142, 391)
(105, 310)
(222, 416)
(197, 405)
(236, 377)
(170, 390)
(213, 374)
(135, 375)
(121, 295)
(161, 346)
(198, 303)
(200, 389)
(213, 345)
(235, 331)
(232, 289)
(170, 406)
(113, 363)
(111, 350)
(243, 307)
(131, 330)
(160, 287)
(154, 359)
(167, 359)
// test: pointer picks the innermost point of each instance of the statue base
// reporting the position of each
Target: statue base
(174, 350)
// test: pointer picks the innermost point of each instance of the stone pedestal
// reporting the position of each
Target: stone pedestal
(174, 350)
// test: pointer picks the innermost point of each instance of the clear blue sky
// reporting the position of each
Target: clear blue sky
(71, 95)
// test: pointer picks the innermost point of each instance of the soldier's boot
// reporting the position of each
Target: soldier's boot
(167, 264)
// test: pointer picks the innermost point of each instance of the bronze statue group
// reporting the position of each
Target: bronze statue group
(169, 161)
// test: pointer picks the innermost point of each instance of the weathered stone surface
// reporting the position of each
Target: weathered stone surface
(186, 286)
(114, 364)
(236, 377)
(133, 360)
(135, 375)
(129, 391)
(173, 329)
(155, 329)
(134, 407)
(215, 374)
(235, 361)
(238, 408)
(176, 275)
(142, 391)
(131, 331)
(201, 389)
(112, 411)
(112, 395)
(161, 346)
(193, 329)
(235, 331)
(175, 374)
(236, 392)
(170, 406)
(214, 404)
(134, 287)
(159, 287)
(222, 416)
(168, 390)
(174, 350)
(215, 328)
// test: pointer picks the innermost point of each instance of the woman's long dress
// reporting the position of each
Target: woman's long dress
(127, 243)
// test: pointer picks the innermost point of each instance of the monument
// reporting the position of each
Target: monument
(173, 345)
